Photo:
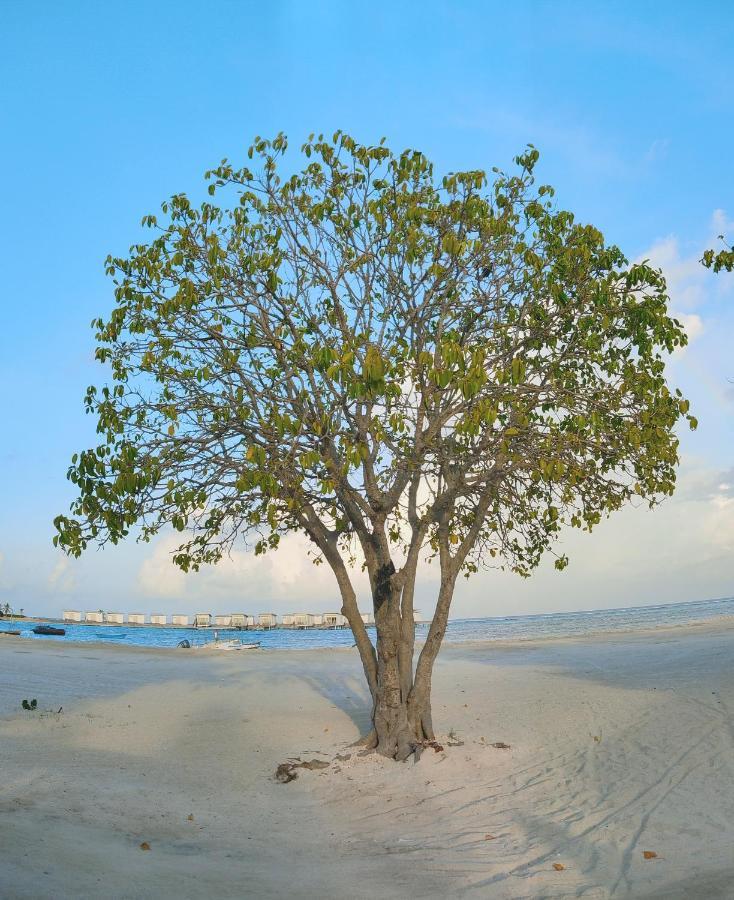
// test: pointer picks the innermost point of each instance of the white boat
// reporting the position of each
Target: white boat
(227, 645)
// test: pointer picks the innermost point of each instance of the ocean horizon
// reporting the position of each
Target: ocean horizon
(459, 630)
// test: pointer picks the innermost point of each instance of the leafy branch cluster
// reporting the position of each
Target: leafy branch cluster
(723, 261)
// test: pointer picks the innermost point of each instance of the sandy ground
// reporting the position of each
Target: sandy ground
(618, 745)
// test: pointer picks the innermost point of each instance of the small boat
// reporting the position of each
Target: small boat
(4, 631)
(228, 645)
(48, 629)
(218, 645)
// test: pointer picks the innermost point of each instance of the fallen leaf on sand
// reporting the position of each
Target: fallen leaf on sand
(559, 867)
(314, 764)
(145, 846)
(649, 854)
(191, 817)
(287, 771)
(284, 773)
(488, 837)
(500, 745)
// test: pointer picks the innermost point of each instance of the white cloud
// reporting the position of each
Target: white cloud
(685, 275)
(683, 550)
(721, 225)
(158, 577)
(690, 285)
(286, 578)
(692, 324)
(62, 580)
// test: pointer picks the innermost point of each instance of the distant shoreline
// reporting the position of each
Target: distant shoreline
(492, 631)
(452, 620)
(680, 630)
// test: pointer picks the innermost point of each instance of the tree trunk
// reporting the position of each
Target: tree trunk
(398, 732)
(424, 668)
(401, 696)
(402, 720)
(402, 714)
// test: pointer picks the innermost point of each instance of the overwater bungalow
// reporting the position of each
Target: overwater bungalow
(240, 620)
(202, 620)
(136, 619)
(97, 618)
(179, 620)
(223, 621)
(318, 620)
(287, 621)
(303, 620)
(335, 620)
(158, 619)
(267, 620)
(368, 618)
(72, 615)
(115, 618)
(250, 622)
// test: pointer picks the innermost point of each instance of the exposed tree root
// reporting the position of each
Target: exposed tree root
(368, 741)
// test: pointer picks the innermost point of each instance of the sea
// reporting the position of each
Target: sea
(499, 628)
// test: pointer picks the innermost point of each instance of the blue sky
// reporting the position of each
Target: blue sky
(108, 108)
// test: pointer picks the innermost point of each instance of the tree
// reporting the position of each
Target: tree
(721, 261)
(399, 367)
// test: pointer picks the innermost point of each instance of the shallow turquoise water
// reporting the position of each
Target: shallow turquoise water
(500, 628)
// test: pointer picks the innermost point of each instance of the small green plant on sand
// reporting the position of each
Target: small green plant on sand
(30, 704)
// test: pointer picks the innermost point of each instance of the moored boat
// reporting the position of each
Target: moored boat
(227, 645)
(48, 629)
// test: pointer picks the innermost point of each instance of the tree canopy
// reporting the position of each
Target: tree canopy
(395, 364)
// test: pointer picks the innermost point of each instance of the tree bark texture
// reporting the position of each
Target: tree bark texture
(401, 698)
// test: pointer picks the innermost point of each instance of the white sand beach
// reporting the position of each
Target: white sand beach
(618, 745)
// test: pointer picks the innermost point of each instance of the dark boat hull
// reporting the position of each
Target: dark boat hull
(48, 629)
